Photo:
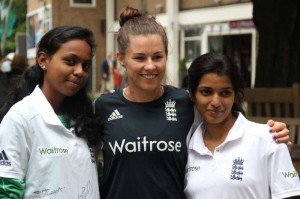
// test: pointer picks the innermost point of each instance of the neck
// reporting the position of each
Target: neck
(55, 101)
(142, 96)
(219, 132)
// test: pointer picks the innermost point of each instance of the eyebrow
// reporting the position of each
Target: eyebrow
(221, 88)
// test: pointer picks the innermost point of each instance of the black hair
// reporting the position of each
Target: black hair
(77, 107)
(219, 64)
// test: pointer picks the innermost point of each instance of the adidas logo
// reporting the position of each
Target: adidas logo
(115, 115)
(4, 160)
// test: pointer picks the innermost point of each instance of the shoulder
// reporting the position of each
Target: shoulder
(261, 131)
(19, 115)
(32, 104)
(26, 107)
(177, 93)
(110, 97)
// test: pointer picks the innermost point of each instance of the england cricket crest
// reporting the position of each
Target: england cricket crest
(170, 110)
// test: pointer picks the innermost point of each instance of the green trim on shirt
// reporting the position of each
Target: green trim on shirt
(11, 188)
(64, 120)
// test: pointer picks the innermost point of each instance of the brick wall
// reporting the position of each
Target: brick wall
(35, 4)
(152, 6)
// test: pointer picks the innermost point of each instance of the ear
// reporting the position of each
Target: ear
(42, 60)
(191, 97)
(120, 59)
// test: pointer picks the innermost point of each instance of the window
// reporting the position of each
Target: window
(192, 43)
(38, 23)
(83, 3)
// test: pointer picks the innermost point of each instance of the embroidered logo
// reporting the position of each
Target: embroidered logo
(237, 169)
(115, 115)
(4, 159)
(170, 110)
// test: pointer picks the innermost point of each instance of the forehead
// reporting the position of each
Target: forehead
(215, 80)
(75, 46)
(144, 42)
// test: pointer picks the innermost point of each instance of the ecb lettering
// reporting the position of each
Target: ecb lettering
(144, 145)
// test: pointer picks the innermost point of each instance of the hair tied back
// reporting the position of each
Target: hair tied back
(127, 14)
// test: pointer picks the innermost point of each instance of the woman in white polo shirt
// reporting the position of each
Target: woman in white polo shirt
(228, 155)
(48, 121)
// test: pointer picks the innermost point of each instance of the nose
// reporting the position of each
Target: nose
(149, 64)
(216, 100)
(78, 70)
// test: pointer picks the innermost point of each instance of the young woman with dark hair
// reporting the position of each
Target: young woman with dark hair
(47, 122)
(229, 156)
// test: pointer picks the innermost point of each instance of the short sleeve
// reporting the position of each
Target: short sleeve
(14, 146)
(283, 177)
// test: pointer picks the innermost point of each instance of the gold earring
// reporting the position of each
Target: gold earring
(43, 67)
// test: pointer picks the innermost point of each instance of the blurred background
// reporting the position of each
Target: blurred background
(263, 36)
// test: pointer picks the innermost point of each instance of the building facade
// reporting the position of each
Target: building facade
(193, 28)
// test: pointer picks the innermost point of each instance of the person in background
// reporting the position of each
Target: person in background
(107, 73)
(144, 126)
(229, 156)
(18, 64)
(4, 79)
(117, 77)
(46, 130)
(10, 70)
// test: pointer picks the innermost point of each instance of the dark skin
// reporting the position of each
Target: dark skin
(66, 72)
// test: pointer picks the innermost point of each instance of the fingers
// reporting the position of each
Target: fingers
(277, 126)
(282, 136)
(270, 123)
(280, 132)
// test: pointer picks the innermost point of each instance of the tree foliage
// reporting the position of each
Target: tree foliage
(20, 9)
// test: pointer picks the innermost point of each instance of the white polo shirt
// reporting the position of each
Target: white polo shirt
(249, 164)
(37, 148)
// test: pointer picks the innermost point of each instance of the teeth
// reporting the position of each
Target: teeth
(149, 76)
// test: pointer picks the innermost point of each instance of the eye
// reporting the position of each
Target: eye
(157, 57)
(226, 93)
(70, 61)
(86, 66)
(139, 58)
(205, 91)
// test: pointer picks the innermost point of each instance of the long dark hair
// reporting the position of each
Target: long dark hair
(77, 107)
(220, 64)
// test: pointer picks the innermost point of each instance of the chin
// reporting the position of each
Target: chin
(213, 120)
(71, 93)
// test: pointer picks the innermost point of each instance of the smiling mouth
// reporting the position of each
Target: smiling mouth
(214, 111)
(76, 83)
(149, 76)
